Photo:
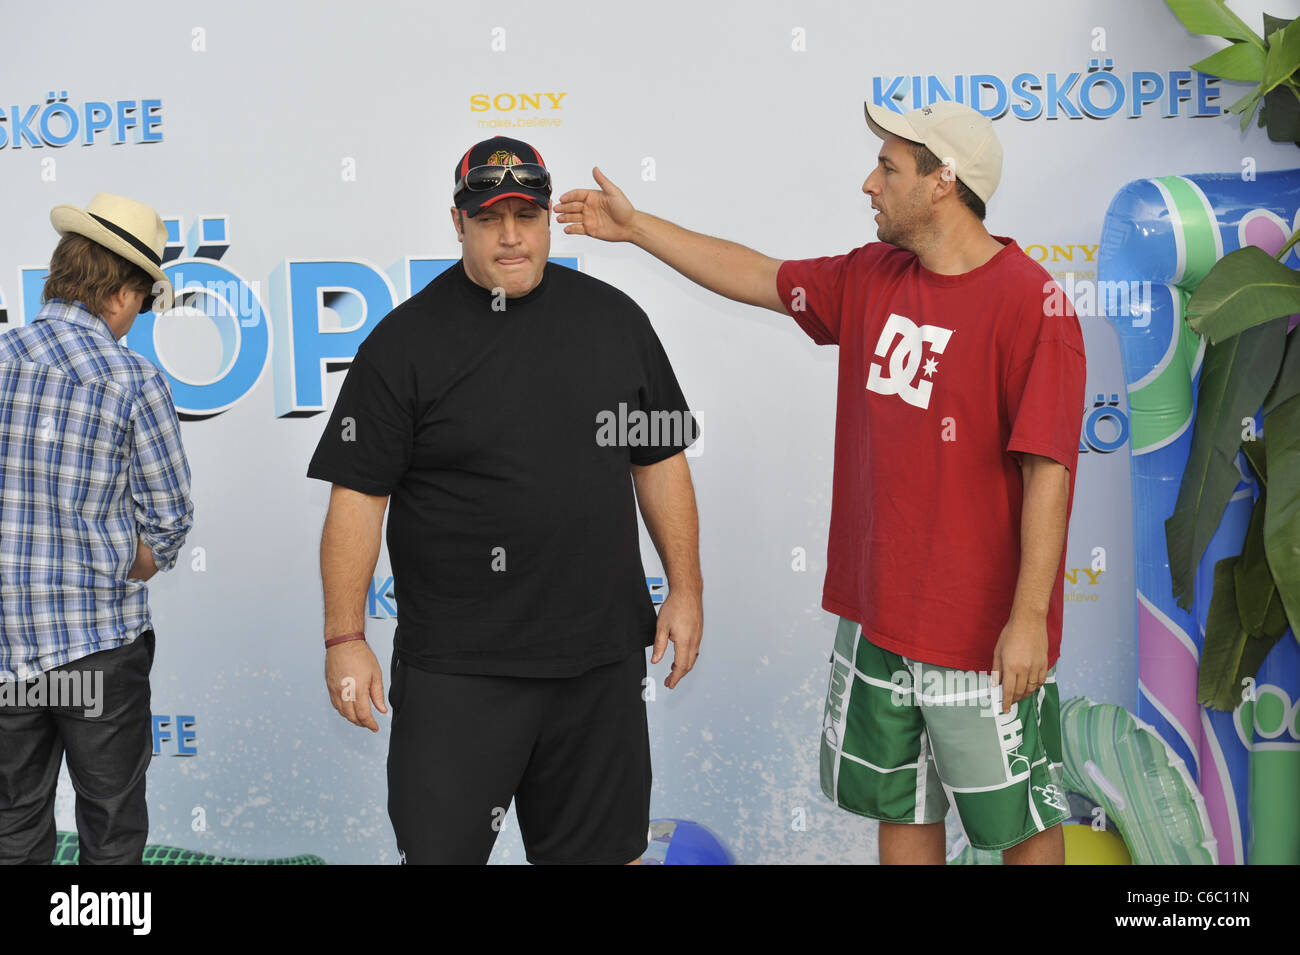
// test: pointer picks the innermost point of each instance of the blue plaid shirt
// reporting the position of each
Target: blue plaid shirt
(90, 461)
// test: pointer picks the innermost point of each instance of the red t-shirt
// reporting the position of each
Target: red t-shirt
(941, 378)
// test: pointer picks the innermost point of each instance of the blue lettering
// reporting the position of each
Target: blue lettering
(1142, 94)
(245, 336)
(378, 595)
(1023, 86)
(33, 283)
(1177, 92)
(126, 119)
(147, 131)
(21, 127)
(1097, 416)
(982, 81)
(99, 116)
(1207, 88)
(655, 586)
(185, 735)
(1090, 82)
(69, 119)
(359, 294)
(161, 733)
(1056, 96)
(934, 90)
(889, 97)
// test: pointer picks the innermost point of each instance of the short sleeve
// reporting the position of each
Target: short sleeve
(1044, 391)
(661, 398)
(811, 291)
(366, 446)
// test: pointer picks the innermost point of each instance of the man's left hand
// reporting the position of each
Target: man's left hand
(1020, 659)
(681, 620)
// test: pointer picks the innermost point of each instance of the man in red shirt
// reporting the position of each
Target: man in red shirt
(960, 400)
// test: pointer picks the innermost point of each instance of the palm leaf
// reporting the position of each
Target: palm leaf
(1225, 641)
(1282, 456)
(1242, 290)
(1235, 376)
(1212, 18)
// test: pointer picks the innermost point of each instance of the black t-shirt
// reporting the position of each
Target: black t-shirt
(499, 437)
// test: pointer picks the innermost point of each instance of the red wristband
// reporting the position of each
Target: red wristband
(334, 641)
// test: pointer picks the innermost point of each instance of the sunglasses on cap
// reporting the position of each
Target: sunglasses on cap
(529, 175)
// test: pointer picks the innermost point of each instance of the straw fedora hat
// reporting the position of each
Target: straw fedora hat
(129, 228)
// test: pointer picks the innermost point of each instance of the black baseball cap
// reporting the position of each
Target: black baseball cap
(499, 151)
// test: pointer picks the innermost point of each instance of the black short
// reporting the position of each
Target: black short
(573, 752)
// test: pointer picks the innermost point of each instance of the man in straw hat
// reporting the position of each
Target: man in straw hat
(960, 398)
(94, 500)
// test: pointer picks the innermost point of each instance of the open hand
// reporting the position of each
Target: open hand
(603, 213)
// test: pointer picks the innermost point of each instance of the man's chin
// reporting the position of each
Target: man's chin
(515, 282)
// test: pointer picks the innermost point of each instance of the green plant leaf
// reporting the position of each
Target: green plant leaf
(1212, 18)
(1235, 376)
(1253, 652)
(1242, 62)
(1273, 24)
(1259, 605)
(1288, 379)
(1246, 106)
(1225, 641)
(1283, 57)
(1245, 101)
(1242, 290)
(1254, 451)
(1282, 517)
(1281, 115)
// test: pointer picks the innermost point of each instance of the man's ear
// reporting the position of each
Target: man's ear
(945, 181)
(456, 223)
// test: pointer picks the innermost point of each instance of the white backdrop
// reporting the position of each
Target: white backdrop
(328, 132)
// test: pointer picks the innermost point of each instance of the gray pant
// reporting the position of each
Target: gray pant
(108, 756)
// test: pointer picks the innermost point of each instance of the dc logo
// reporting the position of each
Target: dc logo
(1053, 796)
(905, 359)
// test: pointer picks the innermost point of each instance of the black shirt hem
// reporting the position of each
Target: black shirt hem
(525, 668)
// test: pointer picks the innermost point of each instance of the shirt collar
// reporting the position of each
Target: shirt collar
(75, 313)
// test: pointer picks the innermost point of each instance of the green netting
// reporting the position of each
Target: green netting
(67, 850)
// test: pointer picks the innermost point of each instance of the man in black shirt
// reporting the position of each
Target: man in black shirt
(500, 410)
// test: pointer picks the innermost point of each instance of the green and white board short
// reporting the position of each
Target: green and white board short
(902, 740)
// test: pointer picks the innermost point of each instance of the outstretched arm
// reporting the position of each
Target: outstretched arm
(727, 268)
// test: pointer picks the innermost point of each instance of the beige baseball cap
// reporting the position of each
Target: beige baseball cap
(958, 135)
